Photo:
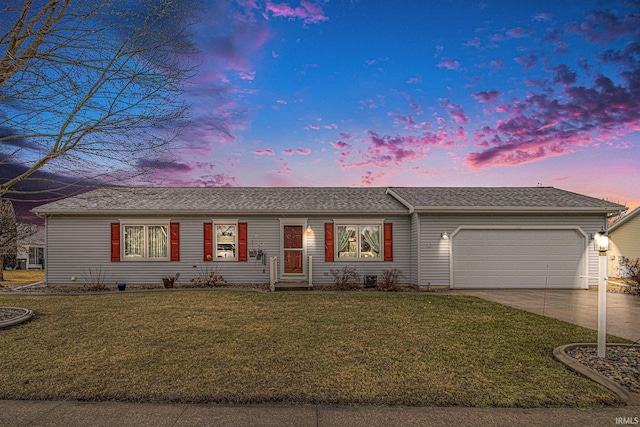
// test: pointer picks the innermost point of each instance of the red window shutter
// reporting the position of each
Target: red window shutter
(208, 241)
(242, 241)
(388, 241)
(328, 242)
(115, 241)
(174, 231)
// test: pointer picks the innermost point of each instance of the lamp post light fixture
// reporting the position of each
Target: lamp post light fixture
(601, 244)
(444, 236)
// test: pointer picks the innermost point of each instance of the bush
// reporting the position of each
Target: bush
(632, 268)
(347, 279)
(95, 279)
(388, 280)
(206, 278)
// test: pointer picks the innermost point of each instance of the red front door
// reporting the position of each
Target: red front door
(293, 250)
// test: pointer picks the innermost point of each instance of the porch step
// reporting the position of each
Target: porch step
(293, 286)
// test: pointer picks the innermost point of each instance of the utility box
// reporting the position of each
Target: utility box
(370, 281)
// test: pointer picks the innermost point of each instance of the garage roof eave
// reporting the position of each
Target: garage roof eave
(515, 209)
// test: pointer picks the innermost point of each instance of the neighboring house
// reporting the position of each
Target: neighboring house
(441, 237)
(31, 249)
(624, 242)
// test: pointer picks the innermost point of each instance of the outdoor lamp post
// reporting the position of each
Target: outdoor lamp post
(601, 244)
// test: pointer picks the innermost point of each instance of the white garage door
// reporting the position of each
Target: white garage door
(517, 258)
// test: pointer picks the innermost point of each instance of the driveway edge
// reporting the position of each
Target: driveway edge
(560, 353)
(20, 318)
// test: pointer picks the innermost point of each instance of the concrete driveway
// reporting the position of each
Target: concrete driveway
(574, 306)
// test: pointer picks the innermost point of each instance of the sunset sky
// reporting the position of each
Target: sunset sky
(415, 93)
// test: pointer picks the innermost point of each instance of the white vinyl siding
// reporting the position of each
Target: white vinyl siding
(78, 244)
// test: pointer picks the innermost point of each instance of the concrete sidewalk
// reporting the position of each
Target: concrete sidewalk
(579, 307)
(72, 414)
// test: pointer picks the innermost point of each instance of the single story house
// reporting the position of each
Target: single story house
(467, 237)
(30, 254)
(624, 242)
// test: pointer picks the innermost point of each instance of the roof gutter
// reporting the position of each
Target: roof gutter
(285, 212)
(514, 209)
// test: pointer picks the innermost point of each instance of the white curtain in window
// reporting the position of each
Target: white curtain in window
(157, 241)
(134, 240)
(345, 232)
(371, 235)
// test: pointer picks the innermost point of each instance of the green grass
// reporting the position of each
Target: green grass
(301, 348)
(21, 277)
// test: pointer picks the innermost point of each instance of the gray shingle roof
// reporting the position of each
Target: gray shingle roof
(542, 198)
(229, 199)
(325, 200)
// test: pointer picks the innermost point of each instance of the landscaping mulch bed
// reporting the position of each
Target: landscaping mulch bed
(9, 313)
(621, 365)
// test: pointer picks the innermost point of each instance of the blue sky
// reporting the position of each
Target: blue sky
(428, 93)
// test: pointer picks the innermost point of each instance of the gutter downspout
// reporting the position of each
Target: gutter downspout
(46, 250)
(419, 266)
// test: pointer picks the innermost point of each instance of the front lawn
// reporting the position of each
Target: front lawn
(21, 277)
(300, 348)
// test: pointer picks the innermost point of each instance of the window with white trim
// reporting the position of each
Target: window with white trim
(225, 244)
(145, 241)
(359, 241)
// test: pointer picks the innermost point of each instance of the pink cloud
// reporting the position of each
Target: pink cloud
(456, 111)
(285, 169)
(496, 64)
(369, 177)
(449, 64)
(288, 152)
(474, 42)
(339, 145)
(543, 16)
(528, 61)
(518, 33)
(549, 123)
(308, 12)
(314, 127)
(603, 26)
(267, 152)
(386, 151)
(303, 151)
(486, 96)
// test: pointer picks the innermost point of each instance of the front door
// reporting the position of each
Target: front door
(293, 249)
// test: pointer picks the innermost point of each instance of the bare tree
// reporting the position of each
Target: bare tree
(8, 233)
(89, 88)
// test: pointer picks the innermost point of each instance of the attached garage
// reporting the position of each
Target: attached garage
(518, 258)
